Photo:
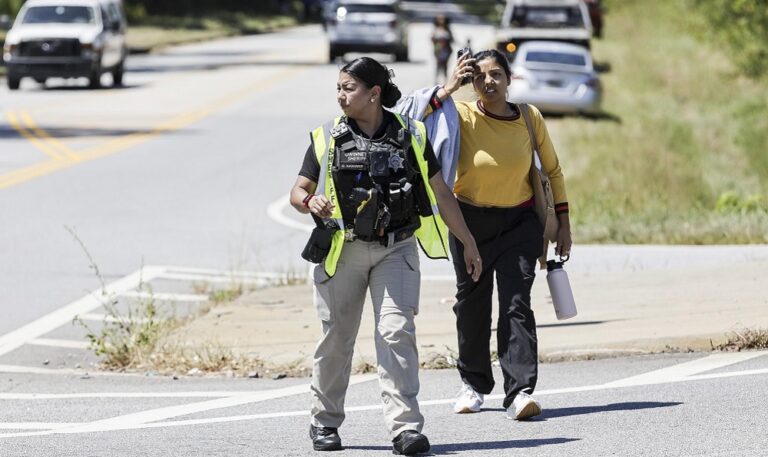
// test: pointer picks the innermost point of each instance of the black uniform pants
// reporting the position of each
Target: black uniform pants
(510, 242)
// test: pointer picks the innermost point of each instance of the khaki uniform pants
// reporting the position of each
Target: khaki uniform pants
(392, 275)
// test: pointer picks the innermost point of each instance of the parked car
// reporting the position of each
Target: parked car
(368, 26)
(555, 77)
(67, 38)
(551, 20)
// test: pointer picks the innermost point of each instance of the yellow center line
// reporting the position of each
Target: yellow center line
(72, 157)
(57, 145)
(36, 142)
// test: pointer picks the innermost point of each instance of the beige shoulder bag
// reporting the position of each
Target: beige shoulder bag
(544, 200)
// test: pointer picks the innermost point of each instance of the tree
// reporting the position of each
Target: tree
(743, 25)
(10, 7)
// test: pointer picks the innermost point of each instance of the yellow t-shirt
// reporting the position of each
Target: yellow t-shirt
(495, 158)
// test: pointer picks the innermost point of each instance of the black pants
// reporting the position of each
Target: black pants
(510, 242)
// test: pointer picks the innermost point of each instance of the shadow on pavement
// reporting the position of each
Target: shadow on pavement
(571, 324)
(551, 413)
(65, 132)
(84, 87)
(627, 406)
(449, 449)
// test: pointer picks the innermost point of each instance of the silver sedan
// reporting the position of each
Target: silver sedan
(555, 77)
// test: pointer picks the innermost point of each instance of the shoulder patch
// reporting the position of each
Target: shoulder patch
(339, 130)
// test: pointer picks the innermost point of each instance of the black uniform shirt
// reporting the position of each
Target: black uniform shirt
(310, 168)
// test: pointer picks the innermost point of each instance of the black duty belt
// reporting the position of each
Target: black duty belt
(389, 238)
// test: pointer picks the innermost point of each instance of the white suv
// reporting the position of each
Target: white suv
(566, 21)
(67, 38)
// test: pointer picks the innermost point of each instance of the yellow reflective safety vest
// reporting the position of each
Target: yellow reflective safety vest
(432, 235)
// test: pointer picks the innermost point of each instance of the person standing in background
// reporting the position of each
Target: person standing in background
(442, 40)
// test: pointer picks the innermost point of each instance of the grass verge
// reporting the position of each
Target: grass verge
(680, 154)
(744, 339)
(140, 337)
(156, 32)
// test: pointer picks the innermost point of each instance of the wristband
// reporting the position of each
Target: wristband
(306, 200)
(435, 102)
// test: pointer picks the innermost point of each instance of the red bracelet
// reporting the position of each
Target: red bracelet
(435, 102)
(306, 200)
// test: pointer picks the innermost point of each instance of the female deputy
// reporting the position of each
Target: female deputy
(371, 181)
(496, 198)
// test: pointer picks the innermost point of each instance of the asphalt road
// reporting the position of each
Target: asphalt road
(178, 171)
(671, 405)
(177, 168)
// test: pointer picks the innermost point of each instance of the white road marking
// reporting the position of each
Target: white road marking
(223, 277)
(140, 420)
(60, 371)
(17, 338)
(127, 286)
(71, 344)
(202, 273)
(101, 395)
(260, 282)
(687, 369)
(143, 419)
(96, 317)
(275, 212)
(36, 425)
(159, 296)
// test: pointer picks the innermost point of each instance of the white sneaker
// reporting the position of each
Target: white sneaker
(523, 407)
(469, 401)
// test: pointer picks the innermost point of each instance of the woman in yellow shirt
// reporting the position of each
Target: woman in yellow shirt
(496, 198)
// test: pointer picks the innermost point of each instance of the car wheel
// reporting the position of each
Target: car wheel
(14, 82)
(94, 79)
(117, 74)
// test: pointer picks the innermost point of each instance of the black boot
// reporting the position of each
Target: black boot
(325, 438)
(410, 442)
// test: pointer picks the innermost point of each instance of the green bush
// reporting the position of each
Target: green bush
(10, 7)
(743, 26)
(730, 202)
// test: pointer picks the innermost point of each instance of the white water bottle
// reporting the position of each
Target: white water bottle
(560, 290)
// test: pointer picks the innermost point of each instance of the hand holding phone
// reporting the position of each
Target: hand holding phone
(459, 54)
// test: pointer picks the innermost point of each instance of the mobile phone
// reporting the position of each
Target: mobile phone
(460, 53)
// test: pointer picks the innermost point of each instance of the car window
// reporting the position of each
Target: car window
(114, 12)
(556, 57)
(531, 16)
(59, 14)
(353, 8)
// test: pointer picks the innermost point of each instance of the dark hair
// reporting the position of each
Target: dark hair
(446, 21)
(372, 73)
(496, 55)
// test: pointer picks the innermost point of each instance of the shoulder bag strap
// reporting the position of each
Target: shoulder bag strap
(536, 161)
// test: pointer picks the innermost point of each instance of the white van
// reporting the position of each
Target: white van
(67, 38)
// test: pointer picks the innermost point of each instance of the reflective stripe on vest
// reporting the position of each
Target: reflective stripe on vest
(324, 144)
(432, 235)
